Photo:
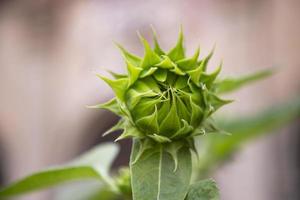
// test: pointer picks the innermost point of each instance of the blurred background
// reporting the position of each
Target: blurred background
(50, 50)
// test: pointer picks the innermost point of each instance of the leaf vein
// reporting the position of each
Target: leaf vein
(159, 172)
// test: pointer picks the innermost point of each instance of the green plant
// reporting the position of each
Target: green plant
(166, 104)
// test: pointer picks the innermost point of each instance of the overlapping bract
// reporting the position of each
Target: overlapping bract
(165, 96)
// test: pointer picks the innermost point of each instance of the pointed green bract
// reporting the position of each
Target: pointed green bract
(157, 48)
(130, 131)
(166, 63)
(171, 123)
(181, 83)
(195, 75)
(159, 138)
(134, 97)
(116, 75)
(119, 126)
(177, 70)
(189, 63)
(150, 57)
(184, 130)
(161, 75)
(148, 72)
(112, 105)
(119, 86)
(197, 114)
(217, 102)
(135, 60)
(208, 79)
(149, 123)
(205, 61)
(178, 52)
(133, 73)
(182, 110)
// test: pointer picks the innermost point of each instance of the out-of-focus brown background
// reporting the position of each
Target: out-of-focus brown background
(50, 49)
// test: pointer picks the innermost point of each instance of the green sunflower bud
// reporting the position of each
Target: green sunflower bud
(165, 96)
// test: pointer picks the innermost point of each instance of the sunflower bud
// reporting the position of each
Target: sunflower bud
(165, 96)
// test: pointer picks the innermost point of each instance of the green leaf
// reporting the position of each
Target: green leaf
(178, 52)
(244, 129)
(153, 175)
(203, 190)
(119, 86)
(49, 178)
(86, 190)
(143, 145)
(232, 84)
(173, 149)
(94, 164)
